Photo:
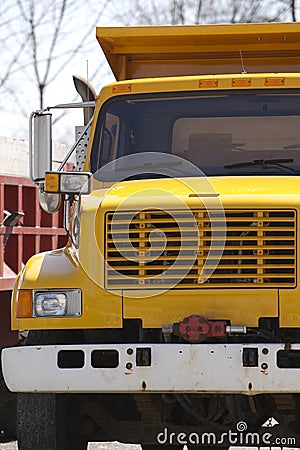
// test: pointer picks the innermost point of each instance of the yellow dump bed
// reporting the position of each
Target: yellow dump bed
(139, 52)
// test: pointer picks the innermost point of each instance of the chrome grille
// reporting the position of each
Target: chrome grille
(259, 251)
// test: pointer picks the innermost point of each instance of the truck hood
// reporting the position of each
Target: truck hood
(155, 192)
(243, 197)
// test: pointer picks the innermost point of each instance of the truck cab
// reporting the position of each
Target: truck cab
(171, 317)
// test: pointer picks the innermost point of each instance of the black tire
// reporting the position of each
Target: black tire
(8, 430)
(42, 423)
(47, 421)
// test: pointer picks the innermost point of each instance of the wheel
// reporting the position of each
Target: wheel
(48, 421)
(42, 423)
(7, 413)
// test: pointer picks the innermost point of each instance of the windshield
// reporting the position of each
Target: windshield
(215, 132)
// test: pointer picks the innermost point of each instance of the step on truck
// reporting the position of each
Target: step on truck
(172, 315)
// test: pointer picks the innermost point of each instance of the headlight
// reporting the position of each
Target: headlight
(50, 304)
(74, 183)
(63, 303)
(67, 182)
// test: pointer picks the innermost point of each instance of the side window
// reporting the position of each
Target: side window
(110, 138)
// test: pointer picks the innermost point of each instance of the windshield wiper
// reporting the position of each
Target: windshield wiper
(265, 162)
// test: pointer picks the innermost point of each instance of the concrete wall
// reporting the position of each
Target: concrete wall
(14, 158)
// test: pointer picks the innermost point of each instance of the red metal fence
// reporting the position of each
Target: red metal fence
(37, 231)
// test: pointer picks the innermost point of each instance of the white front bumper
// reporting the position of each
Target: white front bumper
(211, 368)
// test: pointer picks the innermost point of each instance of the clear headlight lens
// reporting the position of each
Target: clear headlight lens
(57, 303)
(74, 183)
(48, 304)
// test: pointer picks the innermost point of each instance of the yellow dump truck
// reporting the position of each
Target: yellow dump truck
(172, 317)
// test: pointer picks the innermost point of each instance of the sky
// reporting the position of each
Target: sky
(20, 96)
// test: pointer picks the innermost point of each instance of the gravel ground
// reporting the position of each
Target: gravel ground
(118, 446)
(92, 446)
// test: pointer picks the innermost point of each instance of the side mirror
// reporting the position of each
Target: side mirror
(49, 202)
(40, 145)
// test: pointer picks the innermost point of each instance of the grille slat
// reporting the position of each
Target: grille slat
(221, 266)
(157, 248)
(173, 258)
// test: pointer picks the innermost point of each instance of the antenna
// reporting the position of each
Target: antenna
(87, 84)
(242, 62)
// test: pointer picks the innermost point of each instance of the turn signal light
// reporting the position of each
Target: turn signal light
(52, 182)
(24, 304)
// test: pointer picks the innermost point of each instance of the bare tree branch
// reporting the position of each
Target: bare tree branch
(54, 39)
(157, 12)
(293, 10)
(44, 37)
(198, 11)
(38, 38)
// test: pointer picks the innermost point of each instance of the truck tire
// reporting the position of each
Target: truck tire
(47, 421)
(42, 423)
(8, 430)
